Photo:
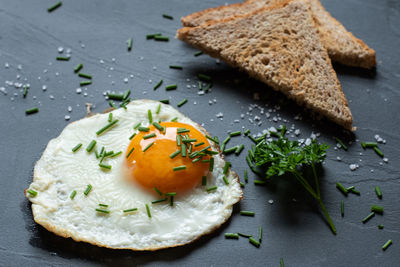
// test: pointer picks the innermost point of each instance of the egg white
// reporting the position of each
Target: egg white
(60, 171)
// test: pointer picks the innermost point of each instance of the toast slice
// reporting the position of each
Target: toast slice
(343, 47)
(278, 45)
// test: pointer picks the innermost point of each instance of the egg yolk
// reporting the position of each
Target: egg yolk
(154, 167)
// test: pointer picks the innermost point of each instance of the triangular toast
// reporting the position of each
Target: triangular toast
(278, 45)
(342, 45)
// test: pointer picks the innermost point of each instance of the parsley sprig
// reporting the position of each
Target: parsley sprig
(283, 156)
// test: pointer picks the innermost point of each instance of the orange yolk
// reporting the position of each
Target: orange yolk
(154, 167)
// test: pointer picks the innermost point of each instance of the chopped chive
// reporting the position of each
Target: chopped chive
(246, 178)
(378, 192)
(148, 211)
(137, 125)
(198, 53)
(131, 137)
(204, 180)
(254, 242)
(126, 94)
(176, 67)
(130, 210)
(129, 41)
(77, 147)
(199, 144)
(231, 236)
(341, 143)
(167, 16)
(366, 219)
(158, 85)
(204, 77)
(212, 139)
(150, 115)
(182, 130)
(102, 151)
(350, 188)
(130, 152)
(88, 189)
(159, 200)
(259, 182)
(105, 166)
(368, 145)
(149, 136)
(173, 155)
(103, 211)
(31, 111)
(72, 195)
(158, 126)
(161, 38)
(194, 154)
(179, 168)
(342, 208)
(110, 115)
(190, 148)
(112, 104)
(259, 234)
(183, 150)
(84, 83)
(165, 101)
(171, 201)
(91, 146)
(246, 132)
(105, 128)
(170, 194)
(237, 133)
(109, 153)
(341, 188)
(225, 180)
(204, 149)
(116, 154)
(54, 7)
(174, 119)
(252, 138)
(387, 244)
(147, 147)
(32, 192)
(143, 129)
(84, 75)
(230, 150)
(211, 188)
(103, 205)
(117, 97)
(377, 209)
(78, 67)
(244, 235)
(180, 104)
(247, 213)
(25, 93)
(282, 263)
(151, 36)
(62, 58)
(211, 164)
(171, 87)
(200, 86)
(226, 167)
(226, 140)
(378, 151)
(208, 87)
(178, 140)
(158, 109)
(196, 160)
(190, 140)
(354, 191)
(205, 160)
(158, 191)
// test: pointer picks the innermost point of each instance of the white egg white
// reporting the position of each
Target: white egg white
(60, 171)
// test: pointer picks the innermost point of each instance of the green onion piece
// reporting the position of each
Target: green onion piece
(54, 7)
(137, 125)
(246, 178)
(107, 127)
(196, 160)
(167, 16)
(174, 119)
(148, 211)
(246, 133)
(91, 146)
(231, 236)
(211, 188)
(171, 87)
(366, 219)
(170, 194)
(211, 164)
(180, 104)
(226, 140)
(368, 145)
(158, 126)
(116, 154)
(378, 192)
(150, 116)
(208, 152)
(191, 140)
(105, 166)
(126, 94)
(377, 209)
(178, 140)
(173, 155)
(72, 195)
(342, 208)
(259, 234)
(354, 191)
(78, 67)
(247, 213)
(259, 182)
(151, 36)
(32, 192)
(63, 58)
(112, 104)
(165, 101)
(176, 67)
(149, 136)
(182, 130)
(158, 191)
(252, 139)
(341, 188)
(208, 87)
(84, 83)
(242, 184)
(387, 244)
(130, 152)
(282, 263)
(226, 167)
(161, 38)
(183, 150)
(130, 210)
(159, 200)
(102, 151)
(88, 189)
(237, 133)
(171, 201)
(194, 154)
(239, 149)
(350, 188)
(341, 143)
(109, 153)
(199, 144)
(158, 85)
(77, 147)
(225, 180)
(212, 139)
(103, 205)
(110, 115)
(117, 97)
(378, 151)
(204, 180)
(26, 87)
(198, 53)
(254, 242)
(31, 111)
(147, 147)
(244, 235)
(103, 211)
(200, 86)
(158, 109)
(84, 75)
(129, 41)
(380, 226)
(143, 129)
(179, 168)
(204, 77)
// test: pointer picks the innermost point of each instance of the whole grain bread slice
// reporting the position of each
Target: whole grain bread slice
(342, 45)
(278, 45)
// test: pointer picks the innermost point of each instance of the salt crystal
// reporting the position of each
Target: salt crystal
(386, 160)
(219, 115)
(78, 90)
(126, 80)
(3, 90)
(60, 49)
(67, 117)
(271, 201)
(6, 65)
(353, 167)
(69, 108)
(338, 158)
(51, 97)
(297, 132)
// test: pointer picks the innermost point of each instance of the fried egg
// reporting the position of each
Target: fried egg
(144, 178)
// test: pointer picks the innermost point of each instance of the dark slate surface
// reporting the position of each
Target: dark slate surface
(296, 231)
